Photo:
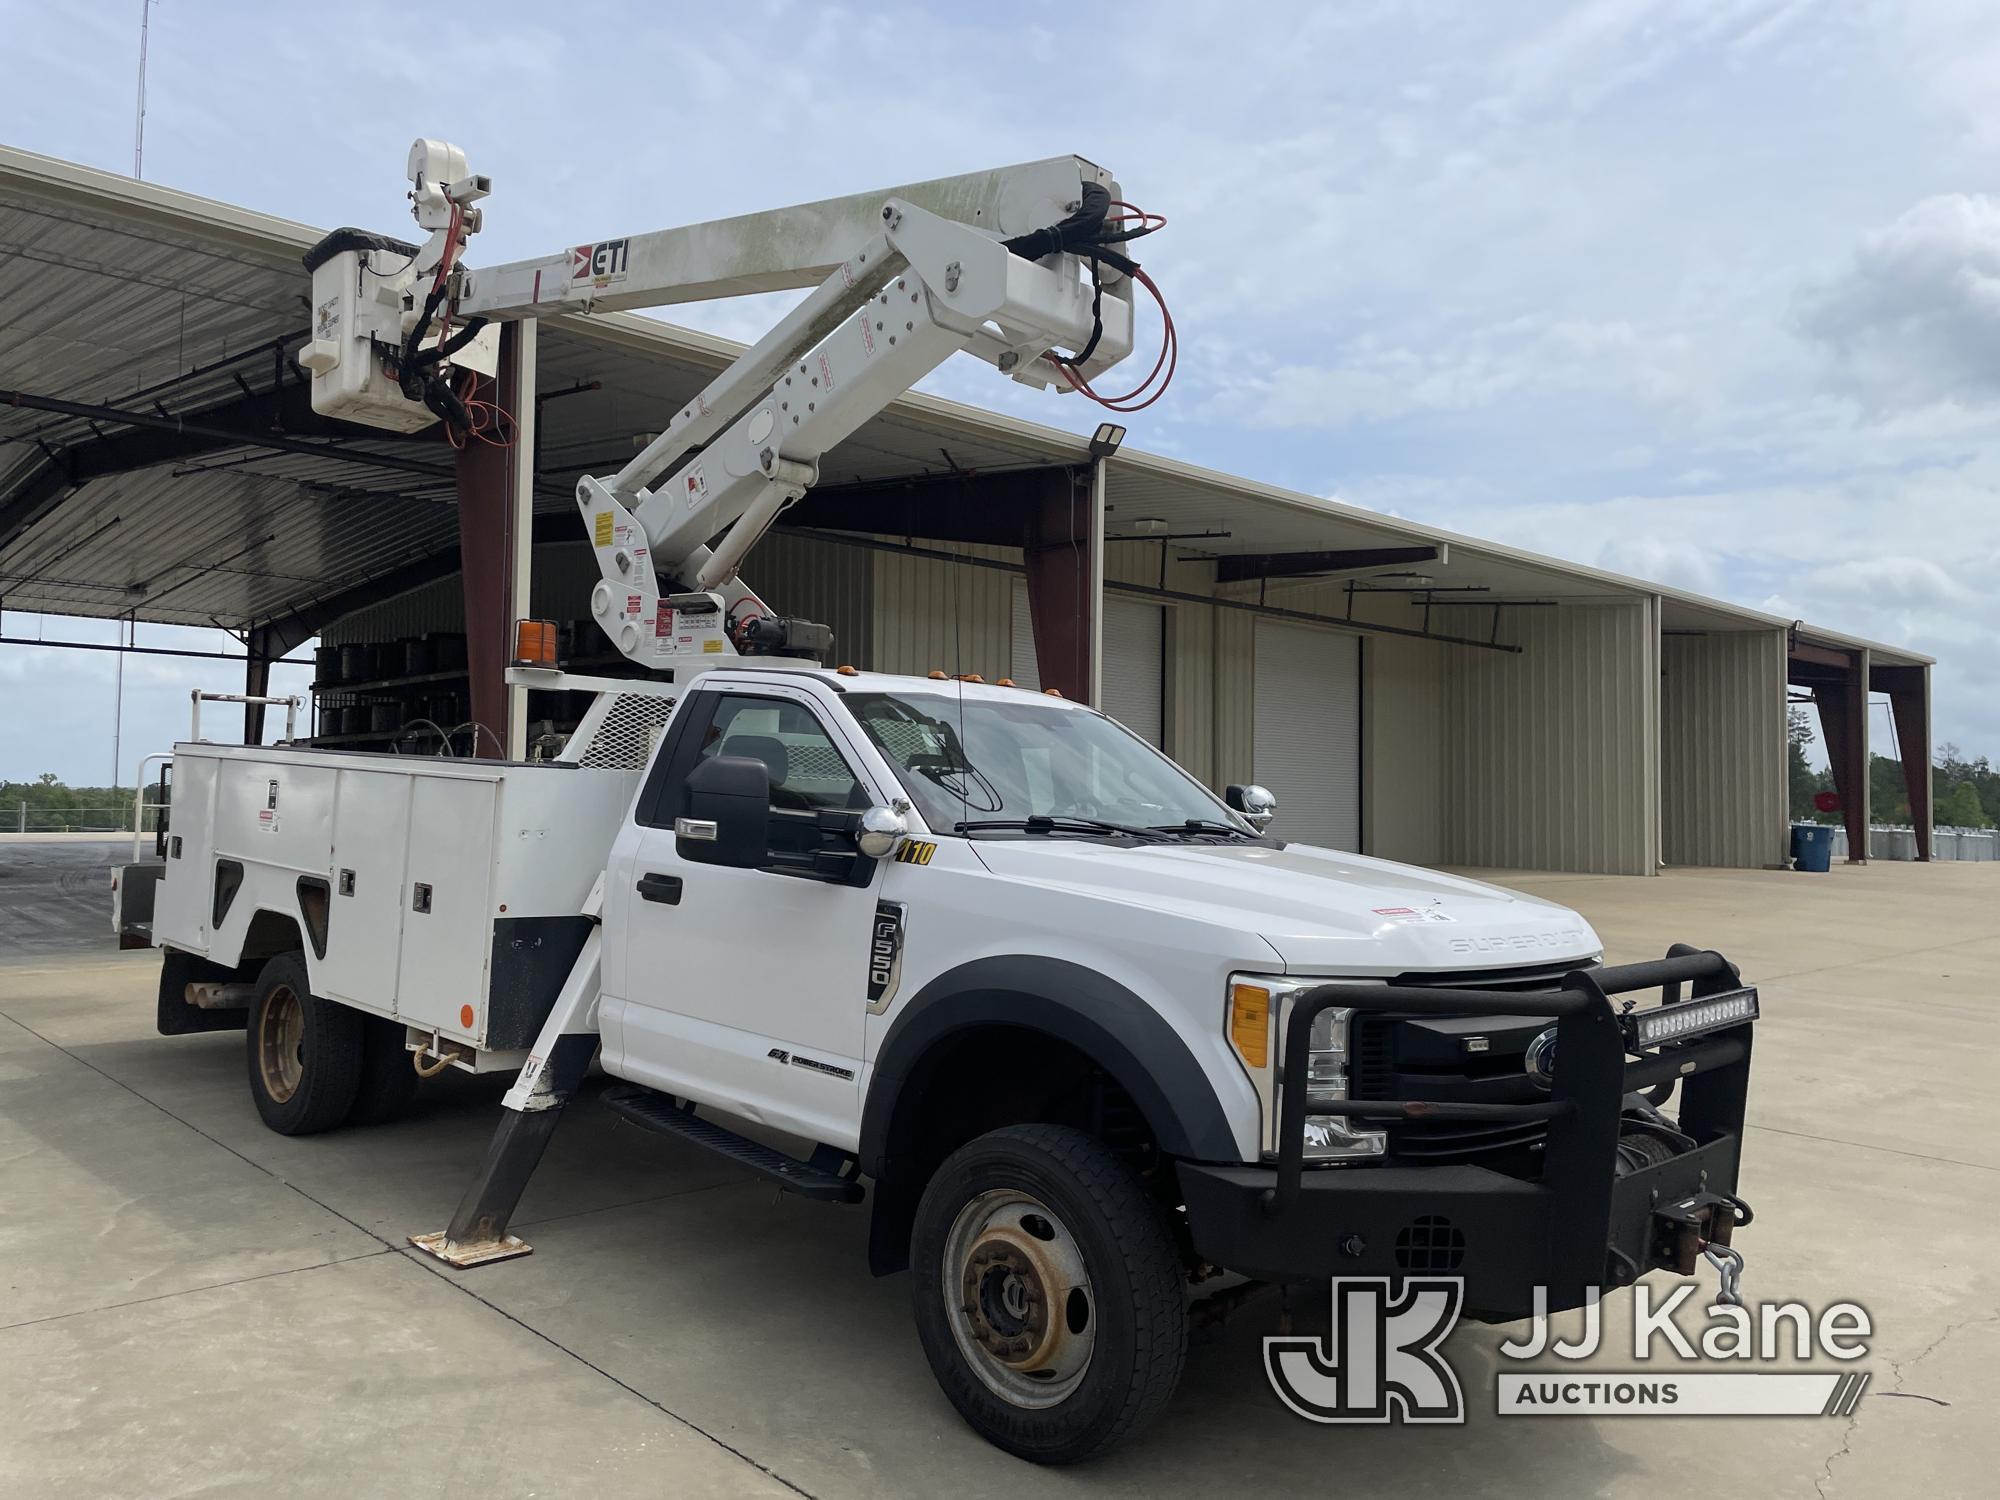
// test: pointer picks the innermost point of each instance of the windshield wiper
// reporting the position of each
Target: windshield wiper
(1203, 825)
(1042, 823)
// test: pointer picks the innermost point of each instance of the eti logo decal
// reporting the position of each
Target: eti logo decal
(1380, 1362)
(602, 263)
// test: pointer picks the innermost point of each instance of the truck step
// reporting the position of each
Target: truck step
(655, 1111)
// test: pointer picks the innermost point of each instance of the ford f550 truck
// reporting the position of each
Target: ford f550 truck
(1081, 1033)
(1088, 1034)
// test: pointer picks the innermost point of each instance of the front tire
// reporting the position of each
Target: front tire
(1049, 1294)
(304, 1053)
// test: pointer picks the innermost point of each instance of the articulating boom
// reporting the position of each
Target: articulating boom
(1014, 265)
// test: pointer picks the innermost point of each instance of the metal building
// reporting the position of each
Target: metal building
(1405, 691)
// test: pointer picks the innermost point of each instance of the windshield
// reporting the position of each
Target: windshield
(980, 764)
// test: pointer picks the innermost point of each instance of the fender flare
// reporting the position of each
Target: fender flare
(1100, 1017)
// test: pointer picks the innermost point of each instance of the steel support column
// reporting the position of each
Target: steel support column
(1062, 552)
(256, 681)
(1842, 700)
(1909, 690)
(486, 523)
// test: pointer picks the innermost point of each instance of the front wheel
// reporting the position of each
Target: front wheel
(1049, 1296)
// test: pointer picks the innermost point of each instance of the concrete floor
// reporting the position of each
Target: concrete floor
(190, 1304)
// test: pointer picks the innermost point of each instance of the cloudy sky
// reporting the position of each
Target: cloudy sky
(1702, 290)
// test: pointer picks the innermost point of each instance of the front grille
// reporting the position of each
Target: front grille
(1384, 1063)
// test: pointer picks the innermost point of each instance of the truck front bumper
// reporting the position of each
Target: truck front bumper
(1587, 1222)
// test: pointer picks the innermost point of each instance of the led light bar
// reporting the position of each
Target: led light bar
(1688, 1018)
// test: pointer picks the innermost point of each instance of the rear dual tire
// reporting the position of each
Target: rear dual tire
(313, 1064)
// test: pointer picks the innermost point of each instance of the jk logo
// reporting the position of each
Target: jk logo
(1380, 1362)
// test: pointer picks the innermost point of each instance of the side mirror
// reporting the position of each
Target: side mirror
(882, 830)
(1255, 803)
(728, 816)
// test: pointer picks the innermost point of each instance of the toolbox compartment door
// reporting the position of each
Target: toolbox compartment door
(369, 896)
(446, 948)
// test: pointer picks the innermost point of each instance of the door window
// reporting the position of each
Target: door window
(809, 775)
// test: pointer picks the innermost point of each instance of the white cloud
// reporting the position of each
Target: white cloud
(1915, 319)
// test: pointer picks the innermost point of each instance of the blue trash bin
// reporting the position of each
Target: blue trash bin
(1812, 846)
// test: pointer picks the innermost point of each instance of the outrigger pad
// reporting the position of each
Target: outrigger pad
(477, 1253)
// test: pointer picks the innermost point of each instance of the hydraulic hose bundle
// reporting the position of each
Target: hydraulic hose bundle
(1092, 232)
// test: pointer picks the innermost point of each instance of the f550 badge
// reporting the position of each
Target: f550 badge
(885, 955)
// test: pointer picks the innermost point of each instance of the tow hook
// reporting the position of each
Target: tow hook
(1701, 1225)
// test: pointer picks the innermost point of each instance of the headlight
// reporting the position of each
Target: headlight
(1258, 1010)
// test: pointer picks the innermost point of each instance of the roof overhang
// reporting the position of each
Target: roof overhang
(170, 469)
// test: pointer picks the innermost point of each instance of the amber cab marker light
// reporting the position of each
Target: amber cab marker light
(1051, 692)
(1003, 682)
(843, 670)
(1250, 1022)
(937, 677)
(534, 643)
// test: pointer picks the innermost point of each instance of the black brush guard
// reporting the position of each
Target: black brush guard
(1582, 1226)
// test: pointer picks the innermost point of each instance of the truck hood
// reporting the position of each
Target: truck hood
(1325, 912)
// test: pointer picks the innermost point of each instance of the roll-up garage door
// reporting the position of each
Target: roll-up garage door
(1308, 731)
(1134, 660)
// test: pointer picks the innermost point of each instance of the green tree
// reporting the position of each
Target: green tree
(1888, 802)
(1805, 781)
(1958, 807)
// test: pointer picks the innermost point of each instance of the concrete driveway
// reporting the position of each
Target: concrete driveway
(191, 1305)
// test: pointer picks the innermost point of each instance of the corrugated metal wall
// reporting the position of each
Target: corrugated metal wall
(1235, 701)
(1191, 688)
(935, 615)
(802, 577)
(1724, 779)
(1552, 755)
(1403, 782)
(1551, 759)
(821, 581)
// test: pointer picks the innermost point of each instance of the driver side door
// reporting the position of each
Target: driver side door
(746, 988)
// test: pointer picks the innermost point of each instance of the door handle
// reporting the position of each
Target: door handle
(657, 887)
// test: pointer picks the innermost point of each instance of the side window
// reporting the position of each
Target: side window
(808, 775)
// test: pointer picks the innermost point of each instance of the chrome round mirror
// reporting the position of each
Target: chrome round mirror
(1259, 806)
(882, 829)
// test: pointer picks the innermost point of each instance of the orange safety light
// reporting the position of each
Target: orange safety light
(844, 670)
(1003, 682)
(534, 643)
(972, 677)
(937, 676)
(1051, 692)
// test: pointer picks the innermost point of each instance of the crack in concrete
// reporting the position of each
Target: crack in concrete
(1897, 1367)
(1834, 1140)
(188, 1291)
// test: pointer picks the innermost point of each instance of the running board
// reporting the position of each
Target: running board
(655, 1111)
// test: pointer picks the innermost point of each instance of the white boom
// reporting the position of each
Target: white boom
(900, 280)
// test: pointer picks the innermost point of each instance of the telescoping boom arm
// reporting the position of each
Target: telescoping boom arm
(1021, 266)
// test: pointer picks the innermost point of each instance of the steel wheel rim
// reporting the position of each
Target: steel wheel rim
(281, 1040)
(1018, 1297)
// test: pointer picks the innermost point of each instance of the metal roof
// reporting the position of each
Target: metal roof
(126, 295)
